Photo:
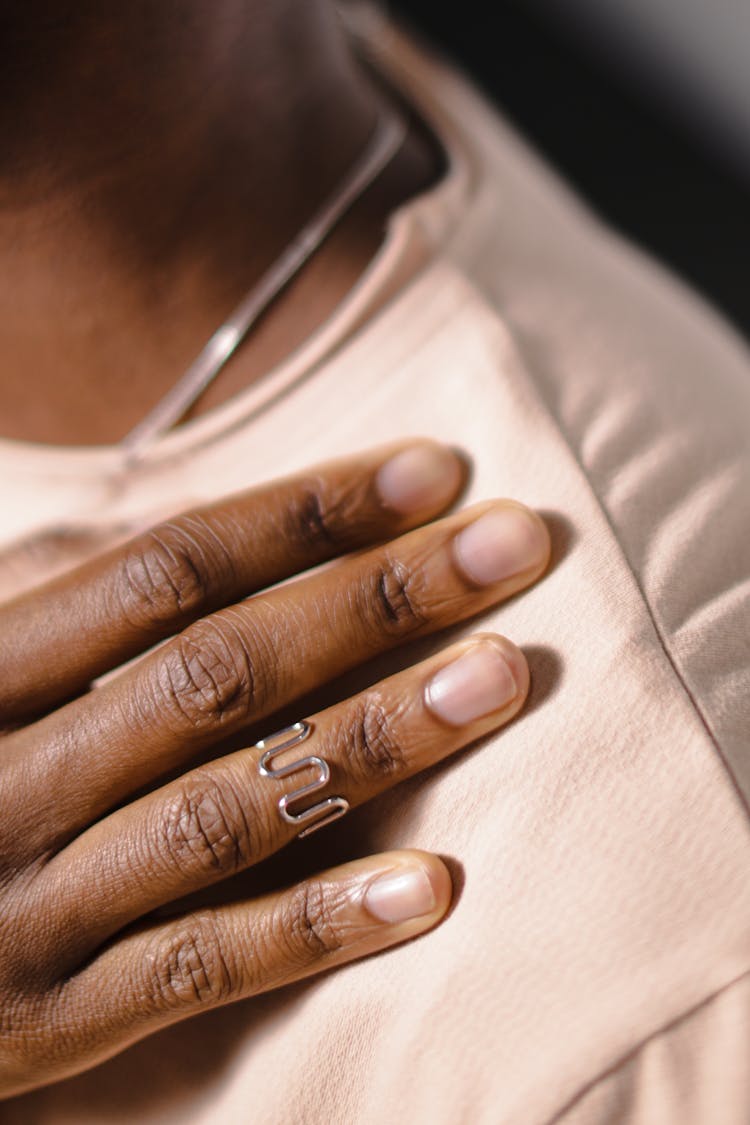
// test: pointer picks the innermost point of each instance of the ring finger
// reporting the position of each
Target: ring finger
(229, 814)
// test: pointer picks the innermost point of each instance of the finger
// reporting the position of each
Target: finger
(165, 973)
(58, 638)
(225, 816)
(244, 663)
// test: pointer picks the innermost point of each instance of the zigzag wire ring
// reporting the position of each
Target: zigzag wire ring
(318, 815)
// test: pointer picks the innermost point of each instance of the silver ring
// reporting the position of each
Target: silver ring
(318, 815)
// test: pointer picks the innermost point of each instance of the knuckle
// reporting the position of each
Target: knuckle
(206, 829)
(193, 968)
(207, 676)
(328, 516)
(311, 930)
(374, 749)
(310, 519)
(394, 599)
(168, 575)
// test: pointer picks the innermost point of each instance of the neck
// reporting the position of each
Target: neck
(171, 151)
(132, 115)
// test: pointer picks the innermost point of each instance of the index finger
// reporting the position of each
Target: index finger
(61, 636)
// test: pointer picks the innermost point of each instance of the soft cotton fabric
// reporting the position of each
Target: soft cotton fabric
(596, 965)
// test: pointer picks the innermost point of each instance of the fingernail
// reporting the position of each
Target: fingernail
(476, 684)
(419, 478)
(499, 544)
(400, 895)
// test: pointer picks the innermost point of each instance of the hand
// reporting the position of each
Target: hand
(104, 814)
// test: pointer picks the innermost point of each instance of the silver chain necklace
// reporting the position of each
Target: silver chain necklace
(387, 138)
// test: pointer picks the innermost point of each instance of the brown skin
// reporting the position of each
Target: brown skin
(134, 211)
(171, 153)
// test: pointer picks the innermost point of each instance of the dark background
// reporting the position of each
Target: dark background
(623, 151)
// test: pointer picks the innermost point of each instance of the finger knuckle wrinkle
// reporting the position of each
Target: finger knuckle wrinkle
(207, 676)
(193, 969)
(375, 750)
(208, 832)
(313, 932)
(395, 599)
(166, 578)
(312, 519)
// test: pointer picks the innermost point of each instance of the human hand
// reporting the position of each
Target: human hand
(104, 814)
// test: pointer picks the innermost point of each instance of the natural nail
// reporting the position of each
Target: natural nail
(479, 682)
(419, 478)
(500, 544)
(400, 895)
